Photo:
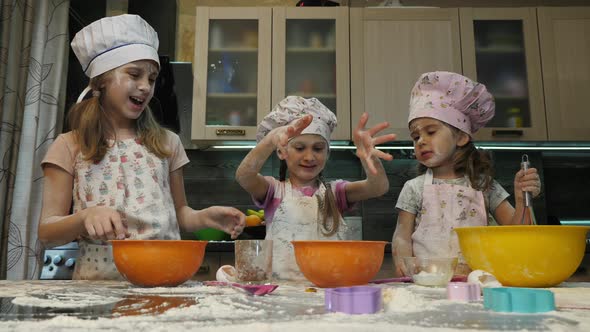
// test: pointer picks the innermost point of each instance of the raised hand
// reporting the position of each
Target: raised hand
(103, 223)
(281, 135)
(365, 141)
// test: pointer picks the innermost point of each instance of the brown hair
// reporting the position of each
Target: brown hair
(91, 126)
(468, 160)
(328, 211)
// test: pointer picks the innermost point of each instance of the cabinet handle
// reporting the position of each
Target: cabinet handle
(507, 133)
(230, 132)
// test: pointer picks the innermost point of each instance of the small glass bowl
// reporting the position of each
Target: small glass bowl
(431, 271)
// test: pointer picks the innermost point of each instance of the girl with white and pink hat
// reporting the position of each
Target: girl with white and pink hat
(456, 186)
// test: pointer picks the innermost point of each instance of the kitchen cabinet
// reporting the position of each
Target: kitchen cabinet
(231, 89)
(248, 59)
(500, 48)
(565, 53)
(390, 48)
(310, 58)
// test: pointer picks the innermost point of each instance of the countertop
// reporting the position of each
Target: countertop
(120, 306)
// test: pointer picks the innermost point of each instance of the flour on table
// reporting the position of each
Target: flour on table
(401, 299)
(71, 300)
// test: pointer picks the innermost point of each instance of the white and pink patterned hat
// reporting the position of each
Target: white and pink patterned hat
(452, 98)
(295, 107)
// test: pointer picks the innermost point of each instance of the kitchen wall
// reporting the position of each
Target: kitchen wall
(209, 180)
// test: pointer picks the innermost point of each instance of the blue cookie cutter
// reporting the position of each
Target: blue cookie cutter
(525, 300)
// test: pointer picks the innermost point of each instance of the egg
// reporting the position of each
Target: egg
(226, 273)
(483, 279)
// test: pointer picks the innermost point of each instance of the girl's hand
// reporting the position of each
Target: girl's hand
(365, 141)
(400, 267)
(528, 181)
(225, 218)
(281, 135)
(103, 223)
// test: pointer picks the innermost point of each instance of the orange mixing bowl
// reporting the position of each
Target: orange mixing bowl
(524, 256)
(153, 263)
(339, 263)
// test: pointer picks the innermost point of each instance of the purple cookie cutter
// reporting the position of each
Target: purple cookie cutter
(353, 300)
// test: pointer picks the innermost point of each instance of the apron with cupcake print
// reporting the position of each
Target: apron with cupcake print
(134, 182)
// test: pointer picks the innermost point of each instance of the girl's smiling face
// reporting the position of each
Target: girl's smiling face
(306, 158)
(435, 143)
(128, 89)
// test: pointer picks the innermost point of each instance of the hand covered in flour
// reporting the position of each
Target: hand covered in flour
(365, 141)
(103, 223)
(526, 181)
(280, 136)
(225, 218)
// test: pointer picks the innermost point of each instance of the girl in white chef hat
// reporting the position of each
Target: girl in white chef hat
(301, 205)
(456, 187)
(118, 170)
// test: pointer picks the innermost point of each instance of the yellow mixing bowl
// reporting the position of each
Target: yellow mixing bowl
(524, 256)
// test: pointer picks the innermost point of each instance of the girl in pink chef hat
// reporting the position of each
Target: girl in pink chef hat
(456, 187)
(118, 170)
(301, 205)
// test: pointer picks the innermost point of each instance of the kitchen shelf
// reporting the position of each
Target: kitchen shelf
(234, 50)
(311, 50)
(313, 95)
(499, 50)
(232, 95)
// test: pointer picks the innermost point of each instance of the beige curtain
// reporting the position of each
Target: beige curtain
(33, 70)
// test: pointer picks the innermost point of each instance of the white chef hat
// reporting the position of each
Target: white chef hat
(114, 41)
(295, 107)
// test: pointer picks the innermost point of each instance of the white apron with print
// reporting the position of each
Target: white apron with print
(444, 207)
(134, 182)
(296, 218)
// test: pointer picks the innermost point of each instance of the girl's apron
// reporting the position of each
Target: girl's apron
(134, 182)
(296, 218)
(444, 207)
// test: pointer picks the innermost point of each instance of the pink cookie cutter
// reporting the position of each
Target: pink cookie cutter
(463, 291)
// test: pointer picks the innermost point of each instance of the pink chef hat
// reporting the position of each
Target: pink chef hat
(453, 99)
(295, 107)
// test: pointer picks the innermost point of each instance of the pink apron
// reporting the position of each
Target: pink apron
(444, 207)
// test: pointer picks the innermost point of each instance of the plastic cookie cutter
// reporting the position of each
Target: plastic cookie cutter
(463, 291)
(353, 300)
(526, 300)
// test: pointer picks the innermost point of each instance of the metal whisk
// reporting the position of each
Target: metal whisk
(528, 217)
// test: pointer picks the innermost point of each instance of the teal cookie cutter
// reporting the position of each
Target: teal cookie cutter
(524, 300)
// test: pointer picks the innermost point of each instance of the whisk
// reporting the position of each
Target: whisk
(528, 216)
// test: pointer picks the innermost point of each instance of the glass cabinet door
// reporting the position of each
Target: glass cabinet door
(501, 51)
(310, 59)
(232, 78)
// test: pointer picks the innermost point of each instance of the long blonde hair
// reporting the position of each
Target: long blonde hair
(91, 126)
(328, 210)
(468, 160)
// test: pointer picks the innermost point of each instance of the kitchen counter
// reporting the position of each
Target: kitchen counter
(120, 306)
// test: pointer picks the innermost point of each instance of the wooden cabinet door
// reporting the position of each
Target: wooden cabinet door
(501, 50)
(565, 54)
(310, 58)
(390, 48)
(231, 90)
